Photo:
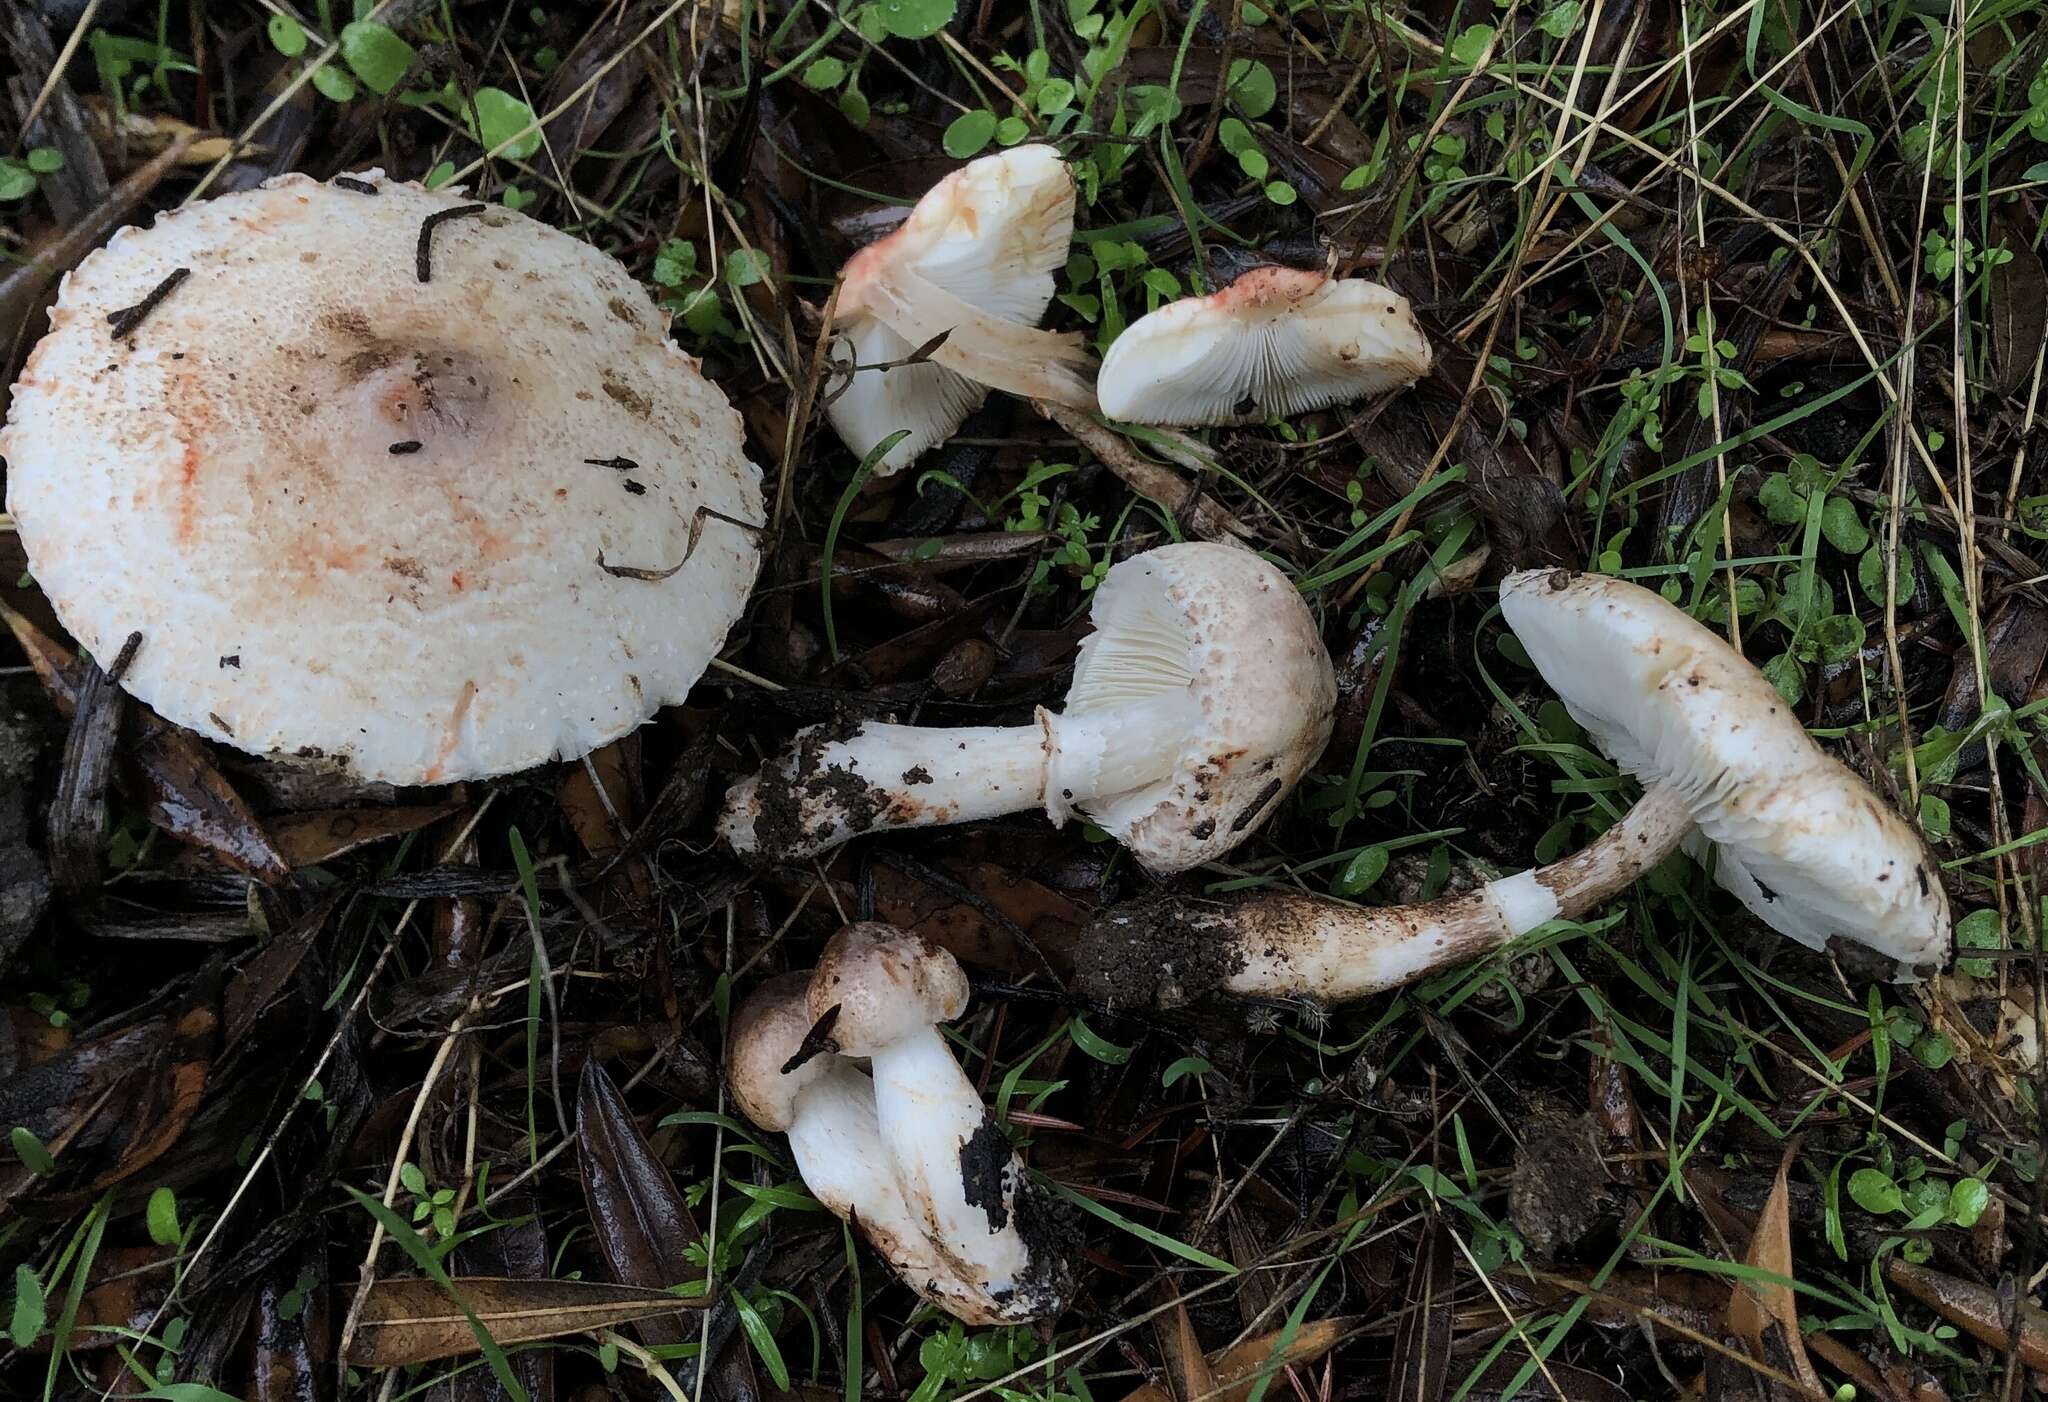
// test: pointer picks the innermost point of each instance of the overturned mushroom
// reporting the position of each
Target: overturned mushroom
(910, 1154)
(971, 267)
(1198, 702)
(1277, 341)
(1795, 835)
(416, 485)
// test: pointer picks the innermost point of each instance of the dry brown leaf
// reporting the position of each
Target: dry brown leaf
(1237, 1370)
(414, 1321)
(1755, 1306)
(1187, 1369)
(308, 839)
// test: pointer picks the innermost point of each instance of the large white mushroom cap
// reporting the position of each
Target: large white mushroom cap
(1799, 838)
(975, 260)
(1277, 341)
(357, 512)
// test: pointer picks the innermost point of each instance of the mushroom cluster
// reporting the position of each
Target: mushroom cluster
(934, 315)
(1199, 701)
(1728, 771)
(905, 1150)
(970, 269)
(381, 476)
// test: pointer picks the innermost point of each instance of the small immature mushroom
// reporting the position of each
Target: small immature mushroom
(1795, 834)
(381, 476)
(886, 992)
(1277, 341)
(974, 263)
(826, 1105)
(1198, 702)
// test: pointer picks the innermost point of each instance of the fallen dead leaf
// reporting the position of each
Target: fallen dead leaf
(415, 1321)
(1765, 1313)
(308, 839)
(1237, 1370)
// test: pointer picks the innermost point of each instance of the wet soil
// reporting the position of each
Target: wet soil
(1158, 953)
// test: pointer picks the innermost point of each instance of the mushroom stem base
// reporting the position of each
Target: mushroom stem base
(828, 789)
(1285, 944)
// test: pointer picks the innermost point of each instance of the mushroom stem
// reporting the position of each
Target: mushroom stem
(1286, 944)
(946, 1146)
(826, 791)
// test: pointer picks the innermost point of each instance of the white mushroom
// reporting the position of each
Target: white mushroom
(886, 992)
(348, 456)
(1797, 836)
(911, 1155)
(974, 262)
(1277, 341)
(826, 1105)
(1199, 701)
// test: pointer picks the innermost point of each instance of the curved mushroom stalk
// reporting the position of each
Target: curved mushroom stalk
(1285, 944)
(1198, 702)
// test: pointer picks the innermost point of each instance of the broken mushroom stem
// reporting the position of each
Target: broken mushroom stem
(1287, 944)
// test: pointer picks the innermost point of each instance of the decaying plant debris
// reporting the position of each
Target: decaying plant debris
(314, 1085)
